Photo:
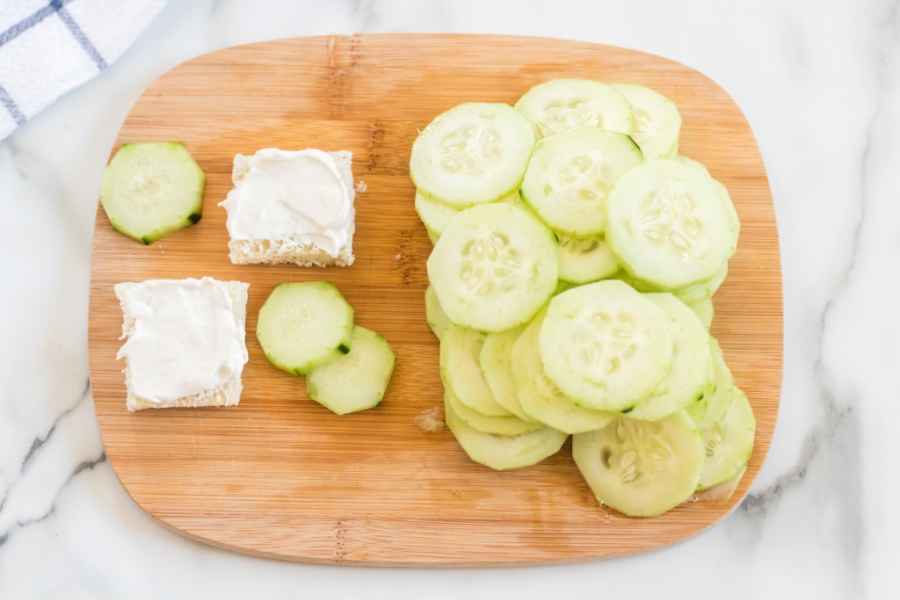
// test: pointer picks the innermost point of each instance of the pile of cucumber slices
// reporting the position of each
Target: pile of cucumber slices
(575, 257)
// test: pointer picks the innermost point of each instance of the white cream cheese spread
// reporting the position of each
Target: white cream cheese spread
(184, 339)
(290, 194)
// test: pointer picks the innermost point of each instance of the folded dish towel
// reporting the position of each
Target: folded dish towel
(49, 48)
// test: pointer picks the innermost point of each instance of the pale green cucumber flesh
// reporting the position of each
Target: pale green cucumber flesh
(642, 468)
(357, 380)
(152, 189)
(303, 325)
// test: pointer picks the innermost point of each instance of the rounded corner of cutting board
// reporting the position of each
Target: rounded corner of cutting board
(277, 476)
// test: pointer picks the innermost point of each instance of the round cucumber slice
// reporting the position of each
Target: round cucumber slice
(539, 397)
(502, 452)
(704, 310)
(642, 468)
(460, 348)
(562, 104)
(657, 122)
(729, 443)
(570, 175)
(303, 325)
(493, 267)
(668, 225)
(720, 400)
(434, 315)
(688, 377)
(509, 425)
(152, 189)
(357, 380)
(584, 260)
(605, 345)
(472, 154)
(494, 360)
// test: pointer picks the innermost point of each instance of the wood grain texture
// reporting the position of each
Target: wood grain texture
(280, 476)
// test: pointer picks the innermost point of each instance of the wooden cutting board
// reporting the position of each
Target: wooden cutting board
(280, 476)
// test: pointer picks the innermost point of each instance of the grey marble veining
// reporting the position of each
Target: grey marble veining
(820, 85)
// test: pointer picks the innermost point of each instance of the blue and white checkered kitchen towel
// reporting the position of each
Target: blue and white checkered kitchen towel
(49, 48)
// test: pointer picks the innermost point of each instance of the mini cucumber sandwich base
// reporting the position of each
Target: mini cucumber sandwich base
(576, 254)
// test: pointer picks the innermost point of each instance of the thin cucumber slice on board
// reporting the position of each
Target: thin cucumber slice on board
(704, 310)
(584, 260)
(509, 425)
(357, 380)
(570, 175)
(539, 397)
(668, 225)
(460, 348)
(472, 154)
(434, 315)
(494, 267)
(722, 398)
(150, 190)
(605, 345)
(502, 452)
(686, 381)
(494, 361)
(304, 325)
(562, 104)
(657, 122)
(704, 289)
(697, 410)
(435, 215)
(729, 443)
(642, 468)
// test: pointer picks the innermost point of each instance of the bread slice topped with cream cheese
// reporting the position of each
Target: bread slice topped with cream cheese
(291, 207)
(186, 342)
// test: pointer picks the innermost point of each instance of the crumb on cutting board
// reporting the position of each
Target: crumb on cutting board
(431, 420)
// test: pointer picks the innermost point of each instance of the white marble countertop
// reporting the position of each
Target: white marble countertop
(819, 83)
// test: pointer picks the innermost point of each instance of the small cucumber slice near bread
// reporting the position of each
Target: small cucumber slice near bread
(303, 325)
(150, 190)
(357, 380)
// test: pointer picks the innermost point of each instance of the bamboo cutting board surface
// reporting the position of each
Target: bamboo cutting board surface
(279, 475)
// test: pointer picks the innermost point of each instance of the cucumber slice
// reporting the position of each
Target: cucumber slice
(357, 380)
(657, 122)
(460, 348)
(434, 315)
(539, 397)
(686, 381)
(704, 310)
(493, 267)
(584, 260)
(642, 468)
(494, 362)
(503, 452)
(509, 425)
(668, 224)
(703, 290)
(605, 345)
(570, 175)
(697, 410)
(729, 443)
(722, 397)
(434, 214)
(472, 154)
(304, 325)
(562, 104)
(150, 190)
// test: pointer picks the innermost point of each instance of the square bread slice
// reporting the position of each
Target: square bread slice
(292, 249)
(227, 393)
